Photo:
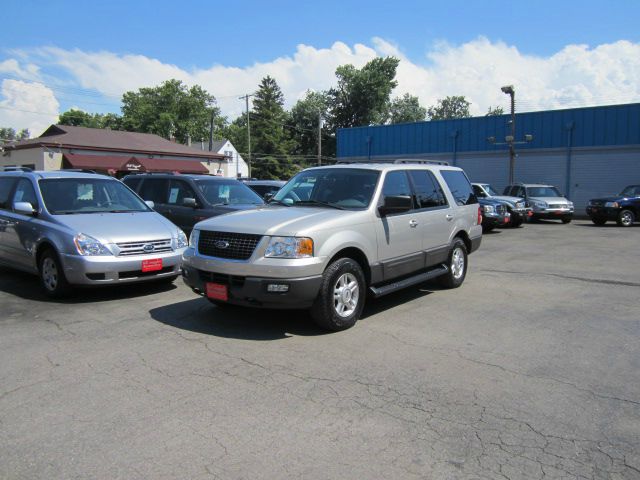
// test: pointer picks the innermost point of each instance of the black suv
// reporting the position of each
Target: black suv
(188, 199)
(623, 208)
(264, 187)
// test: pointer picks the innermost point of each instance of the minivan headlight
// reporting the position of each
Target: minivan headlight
(181, 240)
(193, 238)
(289, 247)
(87, 245)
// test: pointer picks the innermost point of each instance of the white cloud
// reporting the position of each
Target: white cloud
(27, 105)
(577, 75)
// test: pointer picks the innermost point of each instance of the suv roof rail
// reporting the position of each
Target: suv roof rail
(397, 161)
(17, 169)
(78, 170)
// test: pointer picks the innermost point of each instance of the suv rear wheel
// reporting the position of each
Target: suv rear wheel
(341, 297)
(457, 265)
(626, 218)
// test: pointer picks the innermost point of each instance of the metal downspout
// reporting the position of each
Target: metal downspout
(569, 126)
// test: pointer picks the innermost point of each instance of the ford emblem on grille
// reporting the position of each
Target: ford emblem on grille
(221, 244)
(148, 247)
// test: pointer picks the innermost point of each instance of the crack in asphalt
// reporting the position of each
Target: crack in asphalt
(566, 277)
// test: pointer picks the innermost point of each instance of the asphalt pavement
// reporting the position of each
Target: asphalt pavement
(530, 370)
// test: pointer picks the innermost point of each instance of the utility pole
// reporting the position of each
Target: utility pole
(319, 137)
(211, 131)
(509, 90)
(246, 100)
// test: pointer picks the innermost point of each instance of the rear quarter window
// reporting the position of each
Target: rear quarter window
(459, 186)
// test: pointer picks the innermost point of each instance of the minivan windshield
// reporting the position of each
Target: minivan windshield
(228, 192)
(67, 196)
(343, 188)
(543, 192)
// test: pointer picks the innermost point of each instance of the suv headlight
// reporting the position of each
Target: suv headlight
(289, 247)
(570, 204)
(488, 208)
(539, 204)
(181, 240)
(87, 245)
(193, 239)
(612, 204)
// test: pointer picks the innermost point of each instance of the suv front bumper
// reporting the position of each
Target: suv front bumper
(608, 213)
(551, 213)
(253, 291)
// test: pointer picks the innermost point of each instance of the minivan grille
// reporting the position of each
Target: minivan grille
(234, 246)
(148, 247)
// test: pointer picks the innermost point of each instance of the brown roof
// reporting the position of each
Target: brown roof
(64, 136)
(127, 163)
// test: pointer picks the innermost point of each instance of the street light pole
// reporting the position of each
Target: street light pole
(509, 90)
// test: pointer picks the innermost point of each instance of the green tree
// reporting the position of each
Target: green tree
(79, 118)
(8, 134)
(494, 111)
(304, 119)
(362, 95)
(406, 109)
(270, 137)
(449, 107)
(171, 110)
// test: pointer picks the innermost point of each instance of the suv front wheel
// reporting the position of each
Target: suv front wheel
(341, 297)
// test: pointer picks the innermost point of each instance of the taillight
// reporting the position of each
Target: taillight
(479, 216)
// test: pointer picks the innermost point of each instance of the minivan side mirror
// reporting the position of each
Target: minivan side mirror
(395, 204)
(190, 202)
(24, 208)
(150, 204)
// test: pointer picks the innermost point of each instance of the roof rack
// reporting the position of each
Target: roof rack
(18, 169)
(77, 170)
(397, 161)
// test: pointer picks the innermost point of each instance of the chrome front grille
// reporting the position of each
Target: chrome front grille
(234, 246)
(501, 209)
(148, 247)
(558, 205)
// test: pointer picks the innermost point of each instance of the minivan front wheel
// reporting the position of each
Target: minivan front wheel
(52, 275)
(456, 264)
(341, 298)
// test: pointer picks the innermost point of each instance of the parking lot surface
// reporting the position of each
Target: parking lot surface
(531, 369)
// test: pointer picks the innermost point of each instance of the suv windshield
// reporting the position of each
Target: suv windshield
(64, 196)
(631, 191)
(229, 192)
(348, 188)
(490, 190)
(543, 192)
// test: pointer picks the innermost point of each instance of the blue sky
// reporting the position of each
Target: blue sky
(86, 54)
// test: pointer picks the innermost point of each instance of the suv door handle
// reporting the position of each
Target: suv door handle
(449, 217)
(413, 223)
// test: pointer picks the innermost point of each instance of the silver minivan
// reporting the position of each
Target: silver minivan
(74, 228)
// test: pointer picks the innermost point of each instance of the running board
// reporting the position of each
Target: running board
(407, 282)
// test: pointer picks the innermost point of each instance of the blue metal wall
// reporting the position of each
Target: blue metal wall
(614, 125)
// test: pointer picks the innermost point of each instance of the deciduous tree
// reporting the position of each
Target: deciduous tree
(449, 108)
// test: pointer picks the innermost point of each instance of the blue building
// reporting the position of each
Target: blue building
(585, 152)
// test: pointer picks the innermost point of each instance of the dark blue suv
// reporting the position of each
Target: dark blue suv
(623, 208)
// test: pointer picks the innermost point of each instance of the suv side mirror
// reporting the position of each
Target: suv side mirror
(268, 196)
(395, 204)
(190, 202)
(24, 208)
(150, 204)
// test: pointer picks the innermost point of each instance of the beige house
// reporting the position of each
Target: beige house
(107, 151)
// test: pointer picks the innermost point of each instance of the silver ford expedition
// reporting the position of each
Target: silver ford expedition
(333, 234)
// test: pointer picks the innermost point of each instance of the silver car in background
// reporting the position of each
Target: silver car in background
(75, 228)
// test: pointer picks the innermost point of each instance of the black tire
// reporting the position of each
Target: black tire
(52, 276)
(515, 223)
(565, 219)
(457, 264)
(487, 228)
(341, 298)
(598, 221)
(626, 218)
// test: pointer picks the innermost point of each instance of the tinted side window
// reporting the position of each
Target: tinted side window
(6, 184)
(25, 193)
(429, 194)
(178, 191)
(396, 183)
(459, 186)
(155, 189)
(132, 182)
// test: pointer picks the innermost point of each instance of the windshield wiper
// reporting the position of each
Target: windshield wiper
(318, 202)
(279, 202)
